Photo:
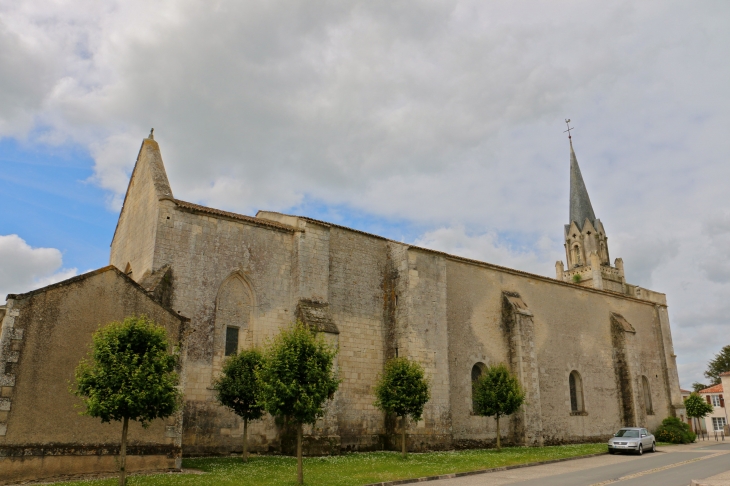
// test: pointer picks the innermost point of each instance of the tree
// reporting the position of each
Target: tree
(128, 375)
(297, 378)
(238, 389)
(718, 365)
(497, 393)
(697, 408)
(402, 390)
(697, 387)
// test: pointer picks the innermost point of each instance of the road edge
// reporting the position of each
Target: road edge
(481, 471)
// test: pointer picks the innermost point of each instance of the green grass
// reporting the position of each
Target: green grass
(348, 469)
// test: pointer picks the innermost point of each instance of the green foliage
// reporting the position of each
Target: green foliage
(674, 431)
(297, 375)
(402, 389)
(718, 365)
(129, 373)
(577, 278)
(698, 386)
(697, 407)
(348, 469)
(497, 393)
(238, 387)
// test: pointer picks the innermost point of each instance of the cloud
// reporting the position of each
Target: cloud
(489, 247)
(23, 268)
(446, 115)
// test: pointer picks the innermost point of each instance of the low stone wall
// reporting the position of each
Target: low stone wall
(18, 468)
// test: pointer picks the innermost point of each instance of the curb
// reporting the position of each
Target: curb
(480, 471)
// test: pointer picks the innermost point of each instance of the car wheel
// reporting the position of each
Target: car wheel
(611, 451)
(641, 449)
(653, 447)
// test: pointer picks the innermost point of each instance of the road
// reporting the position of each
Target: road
(671, 466)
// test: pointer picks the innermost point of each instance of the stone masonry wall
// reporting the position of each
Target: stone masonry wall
(134, 237)
(572, 331)
(203, 251)
(44, 336)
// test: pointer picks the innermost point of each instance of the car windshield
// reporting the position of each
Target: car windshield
(627, 433)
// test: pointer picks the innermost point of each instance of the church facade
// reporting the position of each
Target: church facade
(592, 352)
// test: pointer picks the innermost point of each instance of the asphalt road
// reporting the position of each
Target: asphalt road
(675, 466)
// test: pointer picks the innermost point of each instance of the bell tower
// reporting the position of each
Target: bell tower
(586, 243)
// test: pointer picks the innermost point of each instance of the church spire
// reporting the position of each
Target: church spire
(580, 204)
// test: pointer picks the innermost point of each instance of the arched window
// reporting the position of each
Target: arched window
(476, 372)
(576, 256)
(576, 392)
(647, 396)
(604, 253)
(233, 314)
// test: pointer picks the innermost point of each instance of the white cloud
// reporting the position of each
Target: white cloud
(445, 114)
(489, 247)
(23, 268)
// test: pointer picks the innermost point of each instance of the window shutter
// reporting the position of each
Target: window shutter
(722, 402)
(708, 399)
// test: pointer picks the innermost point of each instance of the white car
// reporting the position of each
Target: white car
(632, 439)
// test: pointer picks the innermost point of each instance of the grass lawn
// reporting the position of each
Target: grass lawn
(348, 469)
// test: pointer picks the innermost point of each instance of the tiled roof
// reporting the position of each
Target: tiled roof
(727, 373)
(226, 214)
(713, 389)
(684, 391)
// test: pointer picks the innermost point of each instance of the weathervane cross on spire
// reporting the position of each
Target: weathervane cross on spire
(567, 122)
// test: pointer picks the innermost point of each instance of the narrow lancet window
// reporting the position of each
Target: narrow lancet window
(576, 392)
(476, 372)
(231, 340)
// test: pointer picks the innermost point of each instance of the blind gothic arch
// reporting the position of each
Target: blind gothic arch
(647, 395)
(575, 382)
(234, 315)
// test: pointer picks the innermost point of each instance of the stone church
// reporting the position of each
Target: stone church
(592, 351)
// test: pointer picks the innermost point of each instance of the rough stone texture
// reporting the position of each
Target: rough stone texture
(44, 336)
(376, 299)
(389, 299)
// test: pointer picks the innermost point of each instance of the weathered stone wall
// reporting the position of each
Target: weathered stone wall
(357, 269)
(204, 250)
(134, 238)
(572, 331)
(381, 299)
(44, 336)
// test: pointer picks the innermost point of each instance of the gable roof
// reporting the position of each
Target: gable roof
(227, 214)
(712, 389)
(87, 275)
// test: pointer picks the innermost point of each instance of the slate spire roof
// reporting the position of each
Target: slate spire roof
(580, 203)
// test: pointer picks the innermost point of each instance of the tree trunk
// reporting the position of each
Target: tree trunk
(123, 454)
(499, 442)
(245, 440)
(300, 473)
(403, 442)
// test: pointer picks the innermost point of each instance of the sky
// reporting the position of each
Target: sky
(436, 123)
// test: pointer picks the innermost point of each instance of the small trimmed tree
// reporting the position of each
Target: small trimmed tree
(402, 390)
(238, 389)
(297, 378)
(697, 408)
(496, 394)
(128, 375)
